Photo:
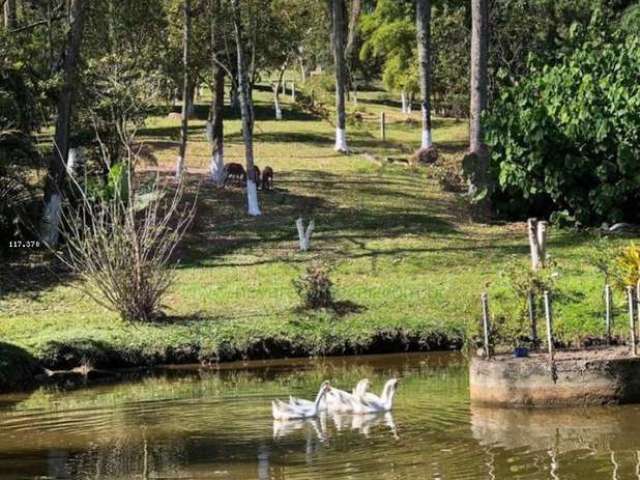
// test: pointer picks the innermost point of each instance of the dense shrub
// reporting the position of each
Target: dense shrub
(567, 138)
(627, 266)
(314, 287)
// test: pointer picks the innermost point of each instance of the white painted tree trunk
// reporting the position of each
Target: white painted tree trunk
(293, 91)
(51, 221)
(252, 198)
(541, 235)
(537, 232)
(405, 109)
(179, 167)
(338, 29)
(423, 37)
(341, 140)
(73, 161)
(303, 72)
(216, 169)
(427, 141)
(276, 103)
(304, 236)
(246, 109)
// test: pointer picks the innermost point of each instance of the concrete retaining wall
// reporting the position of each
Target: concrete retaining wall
(533, 382)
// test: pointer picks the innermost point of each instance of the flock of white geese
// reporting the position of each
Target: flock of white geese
(333, 400)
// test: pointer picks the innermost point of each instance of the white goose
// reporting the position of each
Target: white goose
(370, 403)
(339, 401)
(336, 400)
(299, 408)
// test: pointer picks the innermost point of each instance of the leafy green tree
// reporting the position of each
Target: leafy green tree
(567, 138)
(390, 37)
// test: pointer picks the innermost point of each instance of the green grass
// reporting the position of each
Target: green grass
(402, 249)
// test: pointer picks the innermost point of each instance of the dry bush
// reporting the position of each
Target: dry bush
(121, 245)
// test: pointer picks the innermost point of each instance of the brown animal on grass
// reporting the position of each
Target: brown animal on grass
(234, 172)
(267, 178)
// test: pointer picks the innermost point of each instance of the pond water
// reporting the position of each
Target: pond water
(191, 423)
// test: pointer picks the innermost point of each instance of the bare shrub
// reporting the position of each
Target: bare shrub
(121, 245)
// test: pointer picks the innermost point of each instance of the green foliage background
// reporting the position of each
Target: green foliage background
(566, 139)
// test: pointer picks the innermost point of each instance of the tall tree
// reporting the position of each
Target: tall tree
(246, 110)
(477, 161)
(338, 14)
(423, 27)
(186, 87)
(10, 14)
(216, 114)
(57, 161)
(353, 29)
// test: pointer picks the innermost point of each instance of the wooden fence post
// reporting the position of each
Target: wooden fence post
(608, 311)
(549, 317)
(485, 324)
(632, 321)
(383, 127)
(637, 299)
(531, 303)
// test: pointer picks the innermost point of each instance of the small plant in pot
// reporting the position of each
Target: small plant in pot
(522, 347)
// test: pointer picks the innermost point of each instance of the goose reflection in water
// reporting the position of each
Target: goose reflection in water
(341, 421)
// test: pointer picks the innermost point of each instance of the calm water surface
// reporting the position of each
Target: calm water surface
(217, 424)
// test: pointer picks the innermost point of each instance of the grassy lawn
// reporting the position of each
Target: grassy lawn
(402, 249)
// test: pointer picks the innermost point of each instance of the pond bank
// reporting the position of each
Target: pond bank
(84, 360)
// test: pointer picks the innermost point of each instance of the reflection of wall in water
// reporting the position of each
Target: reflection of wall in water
(586, 440)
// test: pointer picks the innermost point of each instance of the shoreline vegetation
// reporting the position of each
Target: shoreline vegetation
(402, 248)
(86, 363)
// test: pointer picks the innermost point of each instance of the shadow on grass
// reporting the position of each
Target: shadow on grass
(337, 309)
(222, 227)
(378, 207)
(18, 368)
(31, 273)
(287, 137)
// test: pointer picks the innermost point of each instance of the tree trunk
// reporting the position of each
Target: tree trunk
(57, 162)
(352, 34)
(276, 101)
(478, 160)
(10, 15)
(216, 115)
(234, 95)
(246, 110)
(338, 54)
(276, 92)
(187, 90)
(423, 24)
(303, 71)
(405, 107)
